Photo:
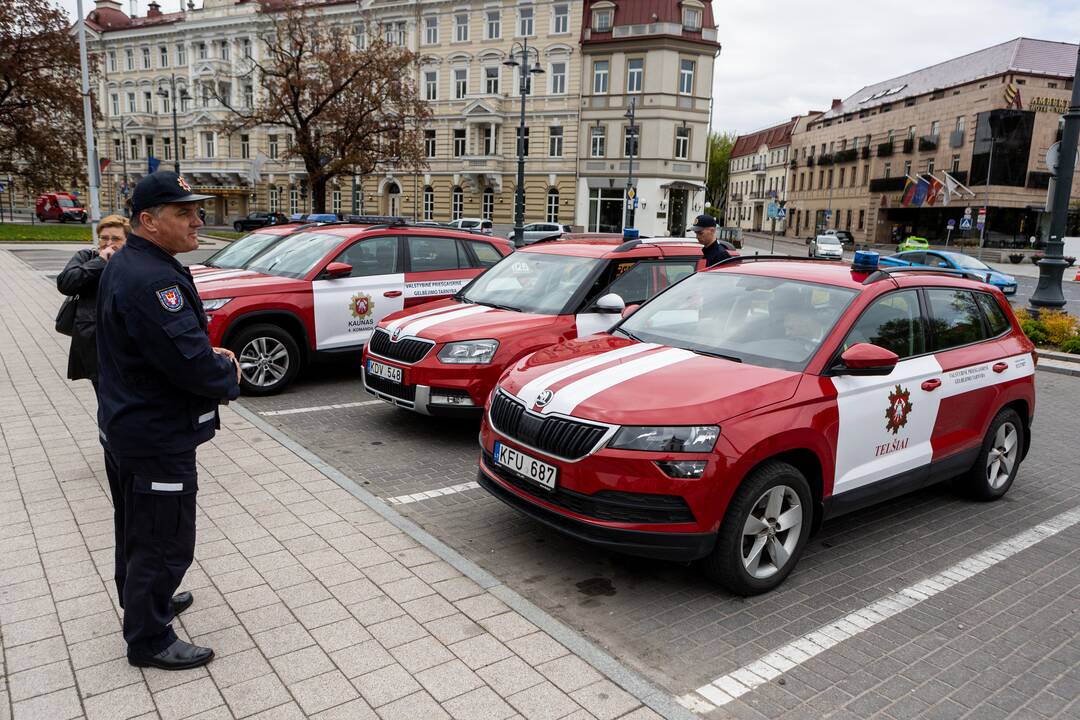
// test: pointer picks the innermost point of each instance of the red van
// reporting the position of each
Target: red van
(60, 206)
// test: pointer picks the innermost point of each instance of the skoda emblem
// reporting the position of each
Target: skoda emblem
(544, 398)
(396, 334)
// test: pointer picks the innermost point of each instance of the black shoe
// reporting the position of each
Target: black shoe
(178, 656)
(181, 602)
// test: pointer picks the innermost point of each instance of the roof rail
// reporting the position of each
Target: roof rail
(631, 244)
(755, 258)
(884, 272)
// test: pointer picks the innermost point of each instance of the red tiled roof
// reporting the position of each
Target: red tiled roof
(776, 136)
(644, 12)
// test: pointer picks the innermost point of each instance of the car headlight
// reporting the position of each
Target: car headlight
(215, 304)
(469, 352)
(686, 438)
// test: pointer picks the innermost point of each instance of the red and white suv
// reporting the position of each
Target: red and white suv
(445, 358)
(733, 412)
(324, 288)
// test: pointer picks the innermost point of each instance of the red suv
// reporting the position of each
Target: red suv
(60, 206)
(733, 412)
(324, 288)
(444, 358)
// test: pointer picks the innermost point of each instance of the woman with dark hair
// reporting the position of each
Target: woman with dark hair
(80, 279)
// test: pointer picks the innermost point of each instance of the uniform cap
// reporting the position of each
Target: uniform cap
(160, 188)
(703, 221)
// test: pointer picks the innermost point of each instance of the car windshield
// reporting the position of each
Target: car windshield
(766, 321)
(828, 240)
(531, 282)
(969, 263)
(239, 253)
(295, 256)
(65, 202)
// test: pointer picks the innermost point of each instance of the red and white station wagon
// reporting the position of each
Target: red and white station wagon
(733, 412)
(323, 289)
(445, 358)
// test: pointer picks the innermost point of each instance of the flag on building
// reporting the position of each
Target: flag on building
(934, 191)
(103, 163)
(1012, 97)
(921, 189)
(909, 192)
(953, 186)
(152, 164)
(256, 167)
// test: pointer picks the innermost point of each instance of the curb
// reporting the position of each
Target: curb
(1059, 368)
(629, 680)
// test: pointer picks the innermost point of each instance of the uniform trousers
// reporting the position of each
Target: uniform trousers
(154, 520)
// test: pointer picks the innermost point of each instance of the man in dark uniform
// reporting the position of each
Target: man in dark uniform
(160, 383)
(704, 228)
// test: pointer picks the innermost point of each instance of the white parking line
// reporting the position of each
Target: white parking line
(726, 688)
(428, 494)
(317, 408)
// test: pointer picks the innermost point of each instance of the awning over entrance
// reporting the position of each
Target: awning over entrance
(683, 185)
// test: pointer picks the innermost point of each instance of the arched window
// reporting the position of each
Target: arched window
(487, 208)
(553, 205)
(429, 203)
(457, 203)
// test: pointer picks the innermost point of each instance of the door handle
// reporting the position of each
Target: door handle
(932, 384)
(392, 293)
(1001, 367)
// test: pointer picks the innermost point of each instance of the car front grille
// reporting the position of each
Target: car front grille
(389, 387)
(608, 505)
(557, 436)
(407, 350)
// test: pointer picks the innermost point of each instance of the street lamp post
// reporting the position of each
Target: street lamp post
(522, 49)
(631, 133)
(176, 135)
(1048, 293)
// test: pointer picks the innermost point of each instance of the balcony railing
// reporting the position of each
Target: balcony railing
(866, 152)
(825, 159)
(928, 143)
(885, 149)
(758, 167)
(759, 195)
(848, 155)
(956, 138)
(794, 164)
(810, 161)
(909, 145)
(889, 184)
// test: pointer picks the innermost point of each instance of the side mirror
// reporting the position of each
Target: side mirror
(337, 270)
(610, 303)
(865, 359)
(630, 310)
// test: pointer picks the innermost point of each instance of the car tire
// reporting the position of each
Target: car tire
(999, 459)
(63, 220)
(269, 358)
(238, 227)
(750, 530)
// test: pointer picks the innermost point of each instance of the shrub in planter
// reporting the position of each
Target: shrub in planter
(1059, 326)
(1015, 258)
(1035, 258)
(1072, 345)
(1035, 331)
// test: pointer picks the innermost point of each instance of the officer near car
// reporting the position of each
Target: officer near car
(160, 383)
(704, 228)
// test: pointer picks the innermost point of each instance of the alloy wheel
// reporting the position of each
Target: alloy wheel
(1002, 456)
(264, 361)
(771, 532)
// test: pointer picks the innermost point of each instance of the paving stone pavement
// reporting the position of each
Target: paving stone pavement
(317, 603)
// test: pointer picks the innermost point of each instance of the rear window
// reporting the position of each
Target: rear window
(485, 253)
(435, 253)
(955, 318)
(995, 316)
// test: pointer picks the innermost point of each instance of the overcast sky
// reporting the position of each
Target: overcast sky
(785, 57)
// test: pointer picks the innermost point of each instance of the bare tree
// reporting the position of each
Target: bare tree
(351, 107)
(41, 119)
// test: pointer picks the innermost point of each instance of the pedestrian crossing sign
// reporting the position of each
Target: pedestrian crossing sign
(965, 223)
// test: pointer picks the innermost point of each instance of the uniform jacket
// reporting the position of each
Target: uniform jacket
(80, 277)
(159, 380)
(714, 253)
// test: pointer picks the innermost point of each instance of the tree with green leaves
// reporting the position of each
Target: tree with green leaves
(720, 145)
(41, 120)
(351, 107)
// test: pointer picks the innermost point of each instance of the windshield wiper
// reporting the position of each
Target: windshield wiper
(629, 334)
(496, 306)
(732, 358)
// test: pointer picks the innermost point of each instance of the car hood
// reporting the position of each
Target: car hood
(240, 283)
(615, 380)
(450, 320)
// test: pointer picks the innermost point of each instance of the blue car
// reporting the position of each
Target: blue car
(955, 261)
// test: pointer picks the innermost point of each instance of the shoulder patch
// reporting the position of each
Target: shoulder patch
(171, 298)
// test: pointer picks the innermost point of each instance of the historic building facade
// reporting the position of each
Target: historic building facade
(757, 175)
(987, 118)
(471, 139)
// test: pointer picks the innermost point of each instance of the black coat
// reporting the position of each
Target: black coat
(80, 277)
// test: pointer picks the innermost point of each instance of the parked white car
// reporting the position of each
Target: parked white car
(474, 224)
(539, 231)
(827, 246)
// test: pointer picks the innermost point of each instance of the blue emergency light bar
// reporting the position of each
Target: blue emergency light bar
(865, 261)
